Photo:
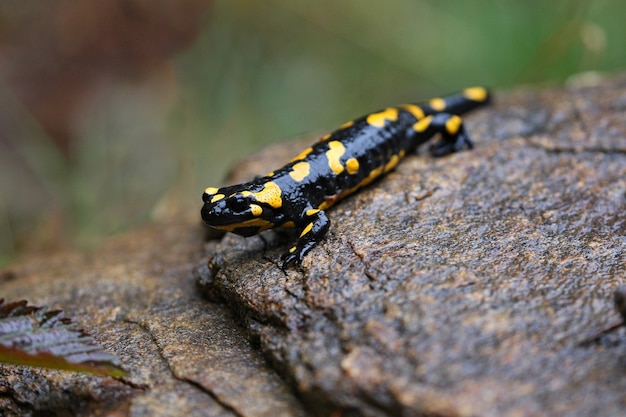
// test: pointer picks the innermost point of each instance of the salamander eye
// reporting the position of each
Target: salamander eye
(238, 203)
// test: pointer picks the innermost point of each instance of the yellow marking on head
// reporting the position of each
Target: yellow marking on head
(347, 124)
(300, 171)
(270, 194)
(256, 210)
(262, 224)
(352, 165)
(288, 225)
(311, 212)
(415, 110)
(302, 154)
(307, 229)
(453, 124)
(292, 249)
(423, 124)
(476, 93)
(217, 197)
(326, 137)
(401, 153)
(379, 119)
(392, 163)
(211, 190)
(333, 154)
(438, 104)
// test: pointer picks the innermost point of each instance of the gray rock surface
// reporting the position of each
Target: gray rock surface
(137, 297)
(458, 286)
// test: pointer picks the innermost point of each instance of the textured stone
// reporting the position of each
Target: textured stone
(137, 297)
(458, 286)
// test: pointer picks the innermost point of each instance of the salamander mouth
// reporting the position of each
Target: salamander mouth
(245, 231)
(242, 227)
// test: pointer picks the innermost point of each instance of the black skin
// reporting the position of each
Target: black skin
(375, 143)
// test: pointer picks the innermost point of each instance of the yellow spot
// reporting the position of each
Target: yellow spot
(392, 163)
(217, 197)
(260, 223)
(307, 229)
(416, 111)
(438, 104)
(271, 174)
(371, 177)
(329, 201)
(333, 154)
(288, 225)
(401, 153)
(302, 154)
(475, 93)
(256, 210)
(379, 119)
(270, 194)
(453, 124)
(352, 165)
(300, 171)
(423, 124)
(211, 190)
(325, 137)
(347, 124)
(292, 249)
(311, 212)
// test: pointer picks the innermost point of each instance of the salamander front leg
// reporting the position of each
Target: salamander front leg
(453, 135)
(311, 235)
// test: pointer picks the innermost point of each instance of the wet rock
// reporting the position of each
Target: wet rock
(457, 286)
(137, 297)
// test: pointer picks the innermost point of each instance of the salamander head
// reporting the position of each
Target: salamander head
(245, 209)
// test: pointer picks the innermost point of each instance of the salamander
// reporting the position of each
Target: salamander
(341, 162)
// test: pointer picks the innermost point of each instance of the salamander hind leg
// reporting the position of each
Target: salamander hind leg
(316, 226)
(453, 134)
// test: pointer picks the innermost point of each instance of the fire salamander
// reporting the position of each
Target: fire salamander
(351, 157)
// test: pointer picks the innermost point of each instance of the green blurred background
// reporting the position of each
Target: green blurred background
(120, 113)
